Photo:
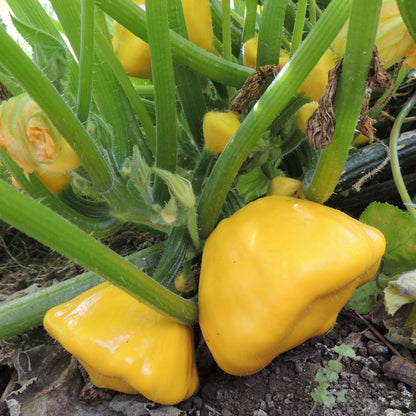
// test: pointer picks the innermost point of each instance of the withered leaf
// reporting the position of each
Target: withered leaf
(321, 125)
(252, 87)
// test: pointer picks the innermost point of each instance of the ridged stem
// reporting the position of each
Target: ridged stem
(164, 86)
(299, 24)
(348, 101)
(270, 32)
(250, 19)
(86, 59)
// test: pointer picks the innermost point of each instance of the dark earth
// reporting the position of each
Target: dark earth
(39, 378)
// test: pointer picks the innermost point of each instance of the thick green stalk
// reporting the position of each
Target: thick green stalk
(38, 86)
(132, 94)
(51, 229)
(86, 59)
(98, 223)
(24, 313)
(185, 52)
(270, 33)
(226, 30)
(312, 11)
(395, 165)
(250, 18)
(266, 110)
(299, 24)
(408, 12)
(188, 83)
(106, 89)
(164, 85)
(348, 101)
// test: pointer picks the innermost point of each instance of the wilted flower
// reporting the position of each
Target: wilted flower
(393, 40)
(34, 143)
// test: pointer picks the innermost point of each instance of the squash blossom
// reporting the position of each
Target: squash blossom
(315, 83)
(125, 345)
(276, 273)
(34, 143)
(393, 40)
(134, 53)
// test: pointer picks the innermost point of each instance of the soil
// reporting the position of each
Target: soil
(39, 378)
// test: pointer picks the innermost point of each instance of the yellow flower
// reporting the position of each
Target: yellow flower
(393, 41)
(34, 143)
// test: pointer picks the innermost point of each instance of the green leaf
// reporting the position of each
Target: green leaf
(408, 12)
(328, 401)
(333, 376)
(321, 378)
(399, 229)
(344, 350)
(335, 366)
(365, 297)
(252, 185)
(341, 395)
(48, 53)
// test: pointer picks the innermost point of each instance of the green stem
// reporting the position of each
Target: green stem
(299, 24)
(164, 85)
(285, 86)
(348, 101)
(99, 223)
(24, 313)
(312, 11)
(185, 52)
(133, 96)
(38, 86)
(395, 165)
(270, 33)
(250, 19)
(226, 29)
(193, 227)
(50, 229)
(86, 59)
(106, 89)
(145, 91)
(188, 83)
(173, 256)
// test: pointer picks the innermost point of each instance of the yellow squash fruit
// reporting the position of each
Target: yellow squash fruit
(134, 53)
(218, 128)
(286, 187)
(126, 346)
(315, 83)
(304, 113)
(359, 140)
(250, 52)
(276, 273)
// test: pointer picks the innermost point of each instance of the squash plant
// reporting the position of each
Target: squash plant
(111, 99)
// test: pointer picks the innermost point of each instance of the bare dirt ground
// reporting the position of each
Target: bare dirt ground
(39, 378)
